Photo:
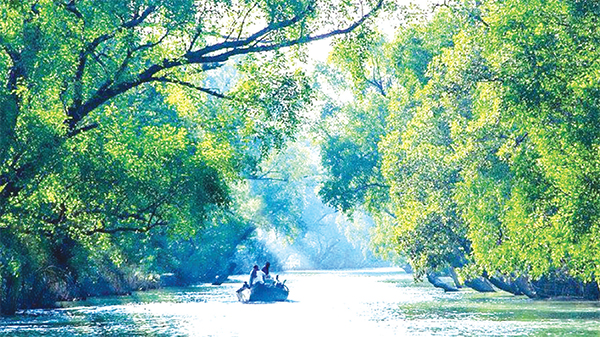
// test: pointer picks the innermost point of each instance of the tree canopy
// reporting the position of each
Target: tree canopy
(119, 118)
(487, 140)
(143, 137)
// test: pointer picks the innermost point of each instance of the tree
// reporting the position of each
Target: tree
(108, 125)
(544, 102)
(490, 156)
(397, 124)
(101, 53)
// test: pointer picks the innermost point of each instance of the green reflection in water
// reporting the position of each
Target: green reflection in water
(387, 304)
(459, 314)
(108, 316)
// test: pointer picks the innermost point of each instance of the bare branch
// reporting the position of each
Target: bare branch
(191, 86)
(244, 20)
(194, 39)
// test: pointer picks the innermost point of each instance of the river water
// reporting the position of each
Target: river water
(375, 302)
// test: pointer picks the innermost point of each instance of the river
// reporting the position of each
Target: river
(374, 302)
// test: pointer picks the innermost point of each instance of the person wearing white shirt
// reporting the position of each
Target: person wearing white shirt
(256, 276)
(260, 277)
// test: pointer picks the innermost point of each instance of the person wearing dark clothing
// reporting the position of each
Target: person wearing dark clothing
(253, 274)
(265, 269)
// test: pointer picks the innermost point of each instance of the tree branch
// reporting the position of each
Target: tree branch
(85, 128)
(115, 230)
(520, 139)
(236, 47)
(138, 18)
(267, 179)
(244, 20)
(75, 112)
(191, 86)
(198, 55)
(202, 56)
(451, 7)
(71, 7)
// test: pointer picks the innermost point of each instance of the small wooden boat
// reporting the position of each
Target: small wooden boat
(262, 292)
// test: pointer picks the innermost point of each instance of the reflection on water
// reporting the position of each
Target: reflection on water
(380, 302)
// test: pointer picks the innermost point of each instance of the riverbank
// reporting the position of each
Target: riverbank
(381, 302)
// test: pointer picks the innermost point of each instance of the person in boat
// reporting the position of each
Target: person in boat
(279, 284)
(253, 275)
(268, 278)
(256, 276)
(265, 269)
(244, 286)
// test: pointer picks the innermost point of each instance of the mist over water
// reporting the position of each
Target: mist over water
(372, 302)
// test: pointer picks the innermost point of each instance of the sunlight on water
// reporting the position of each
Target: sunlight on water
(381, 302)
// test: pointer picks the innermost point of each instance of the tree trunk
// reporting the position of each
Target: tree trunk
(8, 120)
(9, 302)
(554, 286)
(505, 284)
(435, 280)
(559, 285)
(452, 273)
(480, 284)
(591, 292)
(525, 287)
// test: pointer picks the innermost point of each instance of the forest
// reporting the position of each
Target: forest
(144, 138)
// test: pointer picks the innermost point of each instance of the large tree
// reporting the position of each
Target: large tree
(493, 161)
(64, 61)
(110, 121)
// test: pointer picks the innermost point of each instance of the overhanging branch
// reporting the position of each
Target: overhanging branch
(85, 128)
(115, 230)
(76, 112)
(191, 86)
(208, 56)
(244, 46)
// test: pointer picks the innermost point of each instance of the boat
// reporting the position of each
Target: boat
(263, 292)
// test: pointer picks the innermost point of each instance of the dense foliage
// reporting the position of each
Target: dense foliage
(121, 146)
(486, 145)
(147, 137)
